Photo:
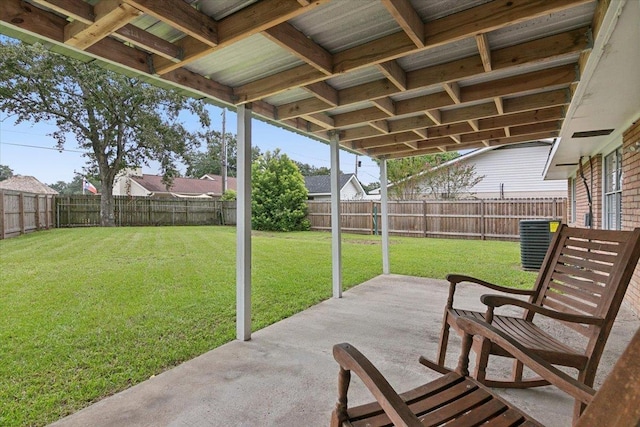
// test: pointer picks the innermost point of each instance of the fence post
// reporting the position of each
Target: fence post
(2, 218)
(424, 216)
(371, 218)
(483, 219)
(37, 214)
(21, 210)
(47, 204)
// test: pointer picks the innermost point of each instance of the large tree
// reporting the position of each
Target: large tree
(200, 163)
(414, 176)
(121, 121)
(406, 174)
(310, 170)
(5, 172)
(279, 196)
(451, 182)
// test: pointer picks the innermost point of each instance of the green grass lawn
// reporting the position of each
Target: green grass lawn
(85, 313)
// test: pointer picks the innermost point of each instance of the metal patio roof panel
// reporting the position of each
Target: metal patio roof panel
(519, 70)
(355, 78)
(343, 24)
(291, 95)
(250, 59)
(434, 9)
(360, 68)
(580, 16)
(219, 9)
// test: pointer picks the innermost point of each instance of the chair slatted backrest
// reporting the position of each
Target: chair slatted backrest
(587, 272)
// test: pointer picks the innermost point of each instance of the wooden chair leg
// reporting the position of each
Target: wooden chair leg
(587, 377)
(516, 374)
(481, 348)
(444, 340)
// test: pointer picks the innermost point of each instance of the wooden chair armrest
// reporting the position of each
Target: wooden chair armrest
(350, 359)
(500, 300)
(458, 278)
(564, 382)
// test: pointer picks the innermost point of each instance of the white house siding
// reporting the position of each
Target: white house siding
(123, 185)
(519, 169)
(350, 192)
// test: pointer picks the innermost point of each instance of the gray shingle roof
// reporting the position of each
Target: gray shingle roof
(321, 184)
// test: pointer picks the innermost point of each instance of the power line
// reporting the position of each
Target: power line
(44, 148)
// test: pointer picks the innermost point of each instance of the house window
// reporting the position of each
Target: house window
(613, 190)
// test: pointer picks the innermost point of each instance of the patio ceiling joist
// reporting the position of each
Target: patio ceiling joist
(408, 101)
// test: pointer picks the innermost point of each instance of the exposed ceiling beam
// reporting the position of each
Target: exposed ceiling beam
(360, 116)
(246, 22)
(324, 92)
(288, 37)
(110, 15)
(285, 80)
(381, 125)
(385, 140)
(408, 19)
(484, 50)
(386, 104)
(434, 115)
(394, 72)
(534, 51)
(183, 17)
(453, 90)
(484, 18)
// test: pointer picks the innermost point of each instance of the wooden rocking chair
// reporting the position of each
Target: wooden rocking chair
(457, 400)
(581, 284)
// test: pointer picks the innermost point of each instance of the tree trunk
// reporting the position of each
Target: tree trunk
(107, 208)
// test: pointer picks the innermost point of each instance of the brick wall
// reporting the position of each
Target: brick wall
(595, 187)
(631, 198)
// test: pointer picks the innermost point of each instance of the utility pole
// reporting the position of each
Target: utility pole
(224, 152)
(358, 163)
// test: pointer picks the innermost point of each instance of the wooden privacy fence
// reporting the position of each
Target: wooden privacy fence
(495, 219)
(84, 211)
(22, 213)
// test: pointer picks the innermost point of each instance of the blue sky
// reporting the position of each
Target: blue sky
(29, 150)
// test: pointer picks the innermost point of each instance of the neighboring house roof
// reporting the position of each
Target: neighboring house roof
(321, 184)
(479, 151)
(513, 170)
(211, 185)
(26, 184)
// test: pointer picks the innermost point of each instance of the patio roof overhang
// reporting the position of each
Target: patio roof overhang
(391, 78)
(607, 98)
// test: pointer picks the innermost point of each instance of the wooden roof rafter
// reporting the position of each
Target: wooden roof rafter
(458, 95)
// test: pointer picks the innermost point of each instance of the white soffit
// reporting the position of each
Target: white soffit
(608, 95)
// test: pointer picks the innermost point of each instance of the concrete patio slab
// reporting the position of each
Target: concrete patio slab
(286, 374)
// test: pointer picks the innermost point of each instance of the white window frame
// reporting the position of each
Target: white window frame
(574, 204)
(612, 209)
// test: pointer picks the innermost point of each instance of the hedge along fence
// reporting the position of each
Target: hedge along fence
(84, 211)
(22, 213)
(495, 219)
